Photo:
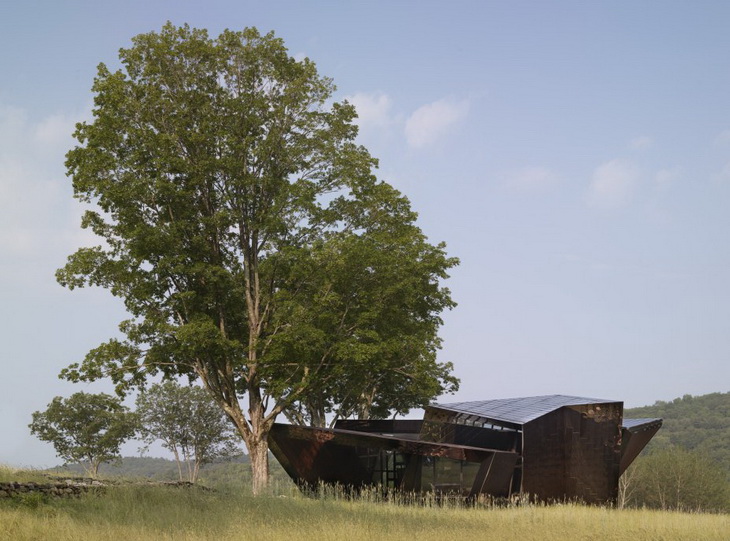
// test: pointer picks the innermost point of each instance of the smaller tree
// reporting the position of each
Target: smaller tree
(85, 428)
(189, 423)
(627, 485)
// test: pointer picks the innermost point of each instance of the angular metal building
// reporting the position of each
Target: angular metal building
(544, 447)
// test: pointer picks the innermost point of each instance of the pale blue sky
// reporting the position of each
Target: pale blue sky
(574, 155)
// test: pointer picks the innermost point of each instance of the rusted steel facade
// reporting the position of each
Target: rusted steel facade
(549, 448)
(573, 452)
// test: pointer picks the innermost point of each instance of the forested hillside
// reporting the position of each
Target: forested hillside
(695, 423)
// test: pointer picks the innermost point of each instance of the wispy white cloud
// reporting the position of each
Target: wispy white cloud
(613, 184)
(532, 179)
(641, 143)
(429, 122)
(38, 218)
(55, 130)
(373, 109)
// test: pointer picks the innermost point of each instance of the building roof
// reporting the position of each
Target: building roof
(636, 425)
(519, 410)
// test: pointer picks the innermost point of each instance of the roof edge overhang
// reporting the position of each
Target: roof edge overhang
(635, 435)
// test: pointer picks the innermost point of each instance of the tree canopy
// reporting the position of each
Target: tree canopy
(85, 428)
(249, 238)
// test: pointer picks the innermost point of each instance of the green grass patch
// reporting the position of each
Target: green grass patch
(10, 475)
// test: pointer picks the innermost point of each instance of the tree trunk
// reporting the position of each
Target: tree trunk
(258, 452)
(177, 461)
(189, 465)
(255, 435)
(93, 469)
(318, 416)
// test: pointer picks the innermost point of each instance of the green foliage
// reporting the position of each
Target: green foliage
(188, 423)
(85, 428)
(677, 479)
(250, 241)
(687, 464)
(698, 423)
(31, 500)
(368, 321)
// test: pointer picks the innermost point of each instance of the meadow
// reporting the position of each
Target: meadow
(139, 512)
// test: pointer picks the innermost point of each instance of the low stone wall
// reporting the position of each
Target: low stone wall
(69, 488)
(64, 489)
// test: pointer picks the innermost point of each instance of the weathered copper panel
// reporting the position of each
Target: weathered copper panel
(495, 476)
(574, 452)
(543, 457)
(595, 451)
(435, 422)
(315, 459)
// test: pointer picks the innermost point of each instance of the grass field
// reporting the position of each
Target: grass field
(144, 512)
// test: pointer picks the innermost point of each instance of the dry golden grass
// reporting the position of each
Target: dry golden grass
(8, 474)
(144, 512)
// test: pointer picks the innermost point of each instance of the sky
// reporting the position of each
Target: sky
(575, 156)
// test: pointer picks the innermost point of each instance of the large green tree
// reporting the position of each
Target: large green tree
(85, 428)
(233, 201)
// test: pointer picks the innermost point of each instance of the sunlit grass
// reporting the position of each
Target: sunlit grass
(9, 474)
(144, 512)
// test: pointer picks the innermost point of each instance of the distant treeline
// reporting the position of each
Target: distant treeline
(235, 471)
